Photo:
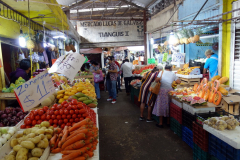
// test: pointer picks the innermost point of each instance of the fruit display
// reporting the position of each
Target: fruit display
(186, 71)
(77, 142)
(174, 84)
(59, 80)
(143, 69)
(31, 143)
(6, 133)
(48, 101)
(18, 82)
(11, 116)
(206, 91)
(136, 83)
(85, 88)
(85, 73)
(64, 114)
(38, 71)
(222, 123)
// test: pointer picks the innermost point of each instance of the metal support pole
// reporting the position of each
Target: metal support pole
(199, 11)
(145, 36)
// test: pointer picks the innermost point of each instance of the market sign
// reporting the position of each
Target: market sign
(68, 65)
(34, 91)
(110, 31)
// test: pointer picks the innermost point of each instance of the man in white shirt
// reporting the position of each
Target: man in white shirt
(127, 69)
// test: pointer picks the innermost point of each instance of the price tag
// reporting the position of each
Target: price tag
(34, 91)
(68, 65)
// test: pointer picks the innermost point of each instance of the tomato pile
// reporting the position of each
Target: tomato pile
(66, 113)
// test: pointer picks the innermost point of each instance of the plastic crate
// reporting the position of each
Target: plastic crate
(187, 136)
(188, 119)
(175, 126)
(200, 137)
(136, 91)
(176, 112)
(222, 150)
(156, 118)
(201, 117)
(136, 102)
(199, 154)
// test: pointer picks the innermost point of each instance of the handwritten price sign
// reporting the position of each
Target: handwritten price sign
(34, 91)
(68, 65)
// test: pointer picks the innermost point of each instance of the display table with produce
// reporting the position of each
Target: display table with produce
(89, 77)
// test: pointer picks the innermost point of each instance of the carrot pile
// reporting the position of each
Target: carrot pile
(77, 142)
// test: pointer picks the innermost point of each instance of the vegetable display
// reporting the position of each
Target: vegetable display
(31, 143)
(64, 114)
(11, 116)
(18, 82)
(76, 142)
(144, 69)
(6, 133)
(222, 123)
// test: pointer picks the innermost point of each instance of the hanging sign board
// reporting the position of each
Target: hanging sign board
(68, 65)
(34, 91)
(165, 57)
(160, 58)
(178, 57)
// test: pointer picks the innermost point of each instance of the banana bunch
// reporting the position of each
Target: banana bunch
(174, 85)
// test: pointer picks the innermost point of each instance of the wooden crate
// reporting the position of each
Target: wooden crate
(90, 77)
(189, 82)
(231, 104)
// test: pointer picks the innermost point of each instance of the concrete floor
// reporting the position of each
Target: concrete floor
(124, 137)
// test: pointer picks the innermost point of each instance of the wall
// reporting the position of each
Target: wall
(110, 31)
(189, 7)
(160, 20)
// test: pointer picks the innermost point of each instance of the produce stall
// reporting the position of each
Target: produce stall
(200, 116)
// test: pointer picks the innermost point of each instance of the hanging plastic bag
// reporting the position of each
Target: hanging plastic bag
(21, 56)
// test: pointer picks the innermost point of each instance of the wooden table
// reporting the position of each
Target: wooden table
(4, 97)
(189, 81)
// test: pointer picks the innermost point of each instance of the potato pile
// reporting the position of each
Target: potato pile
(222, 123)
(31, 144)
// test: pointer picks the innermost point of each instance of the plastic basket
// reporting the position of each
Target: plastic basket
(222, 150)
(199, 154)
(176, 112)
(200, 137)
(187, 136)
(201, 117)
(187, 119)
(175, 126)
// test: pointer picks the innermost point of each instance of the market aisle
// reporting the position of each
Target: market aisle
(135, 140)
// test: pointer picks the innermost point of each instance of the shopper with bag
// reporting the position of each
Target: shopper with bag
(144, 91)
(161, 107)
(98, 77)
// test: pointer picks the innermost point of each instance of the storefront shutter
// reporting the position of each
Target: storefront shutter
(236, 65)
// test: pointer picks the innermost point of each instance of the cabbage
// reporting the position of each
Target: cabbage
(4, 130)
(3, 140)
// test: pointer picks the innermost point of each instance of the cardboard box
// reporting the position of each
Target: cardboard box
(231, 104)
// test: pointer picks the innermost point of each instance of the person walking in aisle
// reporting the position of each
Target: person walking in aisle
(95, 69)
(127, 69)
(161, 107)
(112, 80)
(144, 93)
(118, 76)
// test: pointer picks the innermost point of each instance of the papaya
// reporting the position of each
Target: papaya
(87, 101)
(94, 102)
(92, 105)
(79, 95)
(82, 99)
(72, 97)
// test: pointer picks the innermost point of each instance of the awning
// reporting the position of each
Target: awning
(91, 50)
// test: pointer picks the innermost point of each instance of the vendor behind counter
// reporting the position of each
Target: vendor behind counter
(211, 64)
(23, 71)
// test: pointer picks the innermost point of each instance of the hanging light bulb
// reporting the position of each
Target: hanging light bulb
(22, 40)
(152, 41)
(171, 38)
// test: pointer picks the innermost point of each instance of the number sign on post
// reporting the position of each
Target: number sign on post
(34, 91)
(68, 66)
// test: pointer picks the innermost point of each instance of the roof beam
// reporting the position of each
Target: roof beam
(151, 3)
(129, 7)
(92, 9)
(105, 9)
(133, 4)
(75, 5)
(120, 5)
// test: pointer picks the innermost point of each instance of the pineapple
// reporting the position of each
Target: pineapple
(185, 36)
(67, 48)
(191, 35)
(196, 38)
(30, 44)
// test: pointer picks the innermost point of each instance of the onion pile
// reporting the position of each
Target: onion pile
(11, 116)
